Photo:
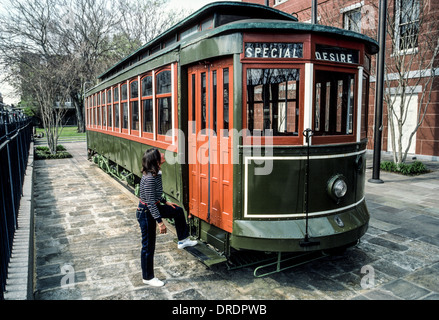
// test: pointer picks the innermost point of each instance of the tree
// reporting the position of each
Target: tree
(90, 35)
(36, 60)
(413, 55)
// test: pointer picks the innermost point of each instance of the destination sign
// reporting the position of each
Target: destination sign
(336, 54)
(273, 50)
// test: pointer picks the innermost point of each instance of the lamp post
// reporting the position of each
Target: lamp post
(379, 94)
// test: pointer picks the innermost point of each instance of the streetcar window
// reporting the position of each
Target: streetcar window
(334, 103)
(124, 92)
(165, 116)
(147, 86)
(226, 101)
(214, 100)
(125, 115)
(109, 107)
(164, 82)
(104, 109)
(116, 94)
(124, 97)
(164, 101)
(207, 24)
(147, 104)
(273, 101)
(134, 95)
(116, 106)
(193, 104)
(188, 32)
(203, 103)
(147, 115)
(134, 90)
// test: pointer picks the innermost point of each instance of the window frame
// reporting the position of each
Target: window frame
(157, 97)
(121, 109)
(116, 108)
(339, 138)
(397, 31)
(274, 140)
(147, 134)
(347, 18)
(131, 106)
(109, 107)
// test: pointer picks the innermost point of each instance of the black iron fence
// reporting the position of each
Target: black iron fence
(15, 139)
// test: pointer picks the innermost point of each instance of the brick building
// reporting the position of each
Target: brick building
(412, 63)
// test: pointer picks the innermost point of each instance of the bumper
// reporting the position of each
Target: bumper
(332, 231)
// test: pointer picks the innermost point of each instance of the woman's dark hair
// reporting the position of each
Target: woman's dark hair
(151, 161)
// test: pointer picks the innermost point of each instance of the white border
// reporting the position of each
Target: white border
(292, 215)
(308, 99)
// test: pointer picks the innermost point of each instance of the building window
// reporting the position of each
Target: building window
(352, 20)
(406, 25)
(277, 2)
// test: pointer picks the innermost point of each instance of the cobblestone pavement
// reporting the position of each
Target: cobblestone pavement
(88, 246)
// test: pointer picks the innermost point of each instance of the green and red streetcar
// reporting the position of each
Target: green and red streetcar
(263, 121)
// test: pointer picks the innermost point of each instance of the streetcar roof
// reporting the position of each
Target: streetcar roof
(246, 16)
(231, 8)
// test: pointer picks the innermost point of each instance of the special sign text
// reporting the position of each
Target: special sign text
(273, 50)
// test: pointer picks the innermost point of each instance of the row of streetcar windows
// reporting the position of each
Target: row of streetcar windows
(119, 108)
(273, 103)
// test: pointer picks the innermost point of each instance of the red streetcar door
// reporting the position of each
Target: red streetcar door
(210, 142)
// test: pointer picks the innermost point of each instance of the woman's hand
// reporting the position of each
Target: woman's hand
(173, 205)
(162, 228)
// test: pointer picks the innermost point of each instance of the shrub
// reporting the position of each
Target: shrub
(411, 169)
(43, 152)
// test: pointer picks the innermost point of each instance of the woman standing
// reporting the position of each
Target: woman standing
(152, 208)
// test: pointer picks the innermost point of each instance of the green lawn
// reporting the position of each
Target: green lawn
(66, 132)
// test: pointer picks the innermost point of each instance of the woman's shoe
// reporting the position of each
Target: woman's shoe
(154, 282)
(186, 243)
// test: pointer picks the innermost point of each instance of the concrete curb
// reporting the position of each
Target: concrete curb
(21, 269)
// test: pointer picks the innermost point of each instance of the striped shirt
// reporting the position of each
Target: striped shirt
(151, 191)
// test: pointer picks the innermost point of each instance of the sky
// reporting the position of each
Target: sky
(193, 5)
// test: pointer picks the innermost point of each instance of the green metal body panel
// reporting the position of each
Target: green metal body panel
(274, 219)
(214, 47)
(128, 155)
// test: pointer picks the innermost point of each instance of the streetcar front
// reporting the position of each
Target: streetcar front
(305, 128)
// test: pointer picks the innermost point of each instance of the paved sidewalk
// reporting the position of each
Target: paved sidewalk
(88, 246)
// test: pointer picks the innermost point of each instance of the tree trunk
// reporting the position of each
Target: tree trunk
(79, 107)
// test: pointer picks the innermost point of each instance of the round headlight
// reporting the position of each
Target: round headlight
(339, 188)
